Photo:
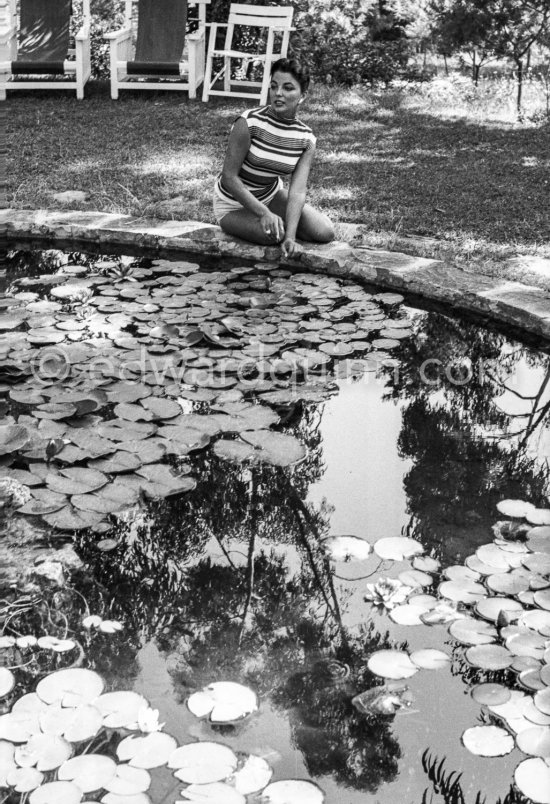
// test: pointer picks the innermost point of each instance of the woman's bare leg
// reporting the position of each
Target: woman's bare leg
(314, 226)
(246, 225)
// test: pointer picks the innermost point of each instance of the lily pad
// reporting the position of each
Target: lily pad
(214, 793)
(13, 437)
(253, 776)
(469, 631)
(203, 763)
(76, 480)
(515, 509)
(532, 778)
(430, 659)
(70, 518)
(491, 608)
(70, 687)
(397, 548)
(88, 771)
(535, 741)
(45, 751)
(224, 702)
(490, 694)
(56, 793)
(542, 701)
(277, 449)
(128, 781)
(488, 741)
(7, 681)
(23, 780)
(293, 791)
(393, 664)
(120, 709)
(148, 752)
(462, 591)
(489, 657)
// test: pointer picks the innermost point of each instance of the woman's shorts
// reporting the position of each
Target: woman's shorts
(223, 206)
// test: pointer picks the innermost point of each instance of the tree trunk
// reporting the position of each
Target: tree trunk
(445, 63)
(519, 64)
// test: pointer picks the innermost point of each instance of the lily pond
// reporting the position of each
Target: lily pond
(267, 536)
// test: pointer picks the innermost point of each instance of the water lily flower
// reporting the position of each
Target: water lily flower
(387, 592)
(148, 720)
(14, 493)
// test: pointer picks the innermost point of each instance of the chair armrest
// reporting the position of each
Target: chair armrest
(285, 28)
(6, 34)
(196, 36)
(216, 24)
(118, 36)
(84, 33)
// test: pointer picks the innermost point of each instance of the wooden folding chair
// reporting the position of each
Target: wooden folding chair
(274, 20)
(153, 49)
(35, 42)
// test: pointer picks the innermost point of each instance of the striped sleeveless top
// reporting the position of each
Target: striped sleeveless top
(276, 144)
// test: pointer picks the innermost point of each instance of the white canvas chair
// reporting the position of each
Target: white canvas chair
(275, 20)
(35, 46)
(153, 51)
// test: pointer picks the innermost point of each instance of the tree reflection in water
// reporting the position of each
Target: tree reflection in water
(467, 452)
(206, 577)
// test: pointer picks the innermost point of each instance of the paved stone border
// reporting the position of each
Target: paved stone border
(507, 301)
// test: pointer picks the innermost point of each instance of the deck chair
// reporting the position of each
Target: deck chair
(272, 20)
(153, 50)
(35, 43)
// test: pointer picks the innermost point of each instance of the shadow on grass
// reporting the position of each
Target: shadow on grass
(379, 163)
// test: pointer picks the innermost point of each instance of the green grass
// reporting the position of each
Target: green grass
(438, 160)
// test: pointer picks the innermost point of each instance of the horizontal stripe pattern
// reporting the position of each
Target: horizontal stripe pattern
(276, 145)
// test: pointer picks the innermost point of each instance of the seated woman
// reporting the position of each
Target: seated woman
(266, 144)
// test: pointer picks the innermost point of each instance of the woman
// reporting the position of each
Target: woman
(265, 144)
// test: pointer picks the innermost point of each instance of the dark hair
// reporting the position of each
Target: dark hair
(297, 69)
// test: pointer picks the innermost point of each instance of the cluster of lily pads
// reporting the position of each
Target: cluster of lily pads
(497, 605)
(45, 736)
(100, 372)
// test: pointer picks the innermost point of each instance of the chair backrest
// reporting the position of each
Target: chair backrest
(44, 29)
(260, 18)
(161, 30)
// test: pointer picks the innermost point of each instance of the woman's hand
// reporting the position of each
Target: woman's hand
(273, 226)
(290, 248)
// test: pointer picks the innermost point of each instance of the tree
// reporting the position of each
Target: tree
(518, 25)
(464, 26)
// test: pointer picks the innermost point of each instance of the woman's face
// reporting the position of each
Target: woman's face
(285, 94)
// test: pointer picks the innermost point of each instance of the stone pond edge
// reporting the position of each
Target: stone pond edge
(504, 299)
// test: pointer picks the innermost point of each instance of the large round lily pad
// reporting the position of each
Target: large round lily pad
(203, 763)
(223, 702)
(7, 681)
(88, 771)
(13, 437)
(148, 752)
(397, 548)
(488, 741)
(277, 449)
(70, 687)
(469, 631)
(393, 664)
(532, 778)
(121, 709)
(56, 793)
(293, 791)
(489, 657)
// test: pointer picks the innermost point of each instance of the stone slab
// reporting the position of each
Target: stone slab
(510, 298)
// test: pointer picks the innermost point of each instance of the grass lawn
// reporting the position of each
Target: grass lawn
(436, 160)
